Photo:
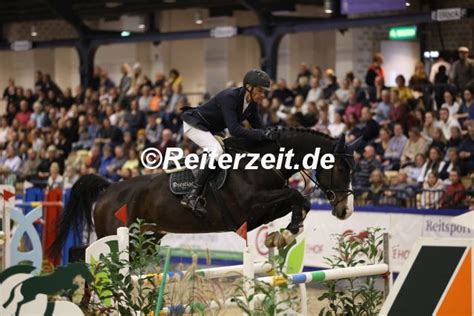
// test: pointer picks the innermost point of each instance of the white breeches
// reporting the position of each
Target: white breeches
(203, 139)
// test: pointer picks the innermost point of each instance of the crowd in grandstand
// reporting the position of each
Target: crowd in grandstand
(418, 138)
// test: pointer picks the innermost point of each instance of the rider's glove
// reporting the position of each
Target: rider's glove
(271, 134)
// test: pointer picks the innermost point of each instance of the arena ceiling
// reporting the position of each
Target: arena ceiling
(26, 10)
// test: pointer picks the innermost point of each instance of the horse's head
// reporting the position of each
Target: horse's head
(336, 182)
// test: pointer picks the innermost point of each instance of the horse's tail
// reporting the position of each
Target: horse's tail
(77, 214)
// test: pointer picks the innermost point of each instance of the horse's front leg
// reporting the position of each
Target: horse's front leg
(299, 210)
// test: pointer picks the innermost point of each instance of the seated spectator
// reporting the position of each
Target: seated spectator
(105, 160)
(109, 134)
(468, 115)
(361, 95)
(398, 112)
(157, 100)
(55, 179)
(132, 161)
(419, 81)
(70, 177)
(446, 122)
(432, 191)
(23, 117)
(435, 163)
(414, 170)
(316, 91)
(94, 158)
(370, 128)
(394, 150)
(337, 128)
(438, 139)
(331, 84)
(377, 187)
(365, 166)
(456, 137)
(153, 130)
(381, 143)
(429, 125)
(404, 93)
(166, 141)
(309, 117)
(134, 119)
(38, 115)
(454, 196)
(283, 94)
(451, 104)
(400, 191)
(341, 95)
(323, 122)
(4, 131)
(116, 164)
(145, 99)
(466, 149)
(12, 163)
(29, 168)
(353, 107)
(381, 109)
(375, 94)
(415, 145)
(453, 163)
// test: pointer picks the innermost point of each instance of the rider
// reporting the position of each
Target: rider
(226, 110)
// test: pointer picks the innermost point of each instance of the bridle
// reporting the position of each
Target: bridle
(330, 192)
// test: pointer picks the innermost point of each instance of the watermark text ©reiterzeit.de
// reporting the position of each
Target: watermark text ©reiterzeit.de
(152, 158)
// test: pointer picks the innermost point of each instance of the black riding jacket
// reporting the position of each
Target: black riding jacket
(225, 111)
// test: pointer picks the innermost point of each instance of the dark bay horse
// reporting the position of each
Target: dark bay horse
(253, 196)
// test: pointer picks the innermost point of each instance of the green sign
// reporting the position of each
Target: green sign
(402, 32)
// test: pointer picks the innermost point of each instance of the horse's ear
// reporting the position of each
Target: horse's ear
(340, 144)
(352, 146)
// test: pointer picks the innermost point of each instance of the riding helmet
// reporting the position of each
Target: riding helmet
(257, 78)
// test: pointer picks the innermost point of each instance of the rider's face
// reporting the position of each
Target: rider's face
(258, 94)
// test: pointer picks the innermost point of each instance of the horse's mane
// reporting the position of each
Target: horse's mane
(239, 142)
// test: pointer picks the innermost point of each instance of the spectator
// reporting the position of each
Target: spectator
(283, 94)
(38, 115)
(467, 106)
(303, 72)
(353, 107)
(438, 139)
(403, 92)
(394, 150)
(29, 168)
(315, 92)
(414, 170)
(105, 160)
(441, 85)
(463, 69)
(125, 82)
(432, 191)
(415, 145)
(436, 67)
(337, 128)
(157, 100)
(145, 99)
(160, 80)
(398, 111)
(55, 179)
(381, 143)
(381, 109)
(456, 137)
(454, 195)
(166, 140)
(12, 162)
(4, 131)
(70, 177)
(331, 84)
(400, 191)
(453, 163)
(419, 81)
(370, 128)
(375, 70)
(134, 119)
(116, 163)
(23, 117)
(94, 158)
(341, 96)
(434, 163)
(451, 104)
(429, 125)
(365, 166)
(466, 149)
(323, 122)
(446, 122)
(109, 134)
(153, 130)
(360, 93)
(377, 187)
(175, 81)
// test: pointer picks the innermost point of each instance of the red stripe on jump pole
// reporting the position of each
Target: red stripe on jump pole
(7, 195)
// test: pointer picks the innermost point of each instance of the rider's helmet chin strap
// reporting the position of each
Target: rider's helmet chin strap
(250, 92)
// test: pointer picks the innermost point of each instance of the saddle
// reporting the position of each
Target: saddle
(181, 179)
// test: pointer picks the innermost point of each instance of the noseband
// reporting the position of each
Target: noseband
(331, 192)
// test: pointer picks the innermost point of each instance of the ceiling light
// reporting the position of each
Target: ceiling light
(328, 6)
(328, 11)
(407, 4)
(141, 26)
(198, 18)
(125, 33)
(169, 1)
(34, 33)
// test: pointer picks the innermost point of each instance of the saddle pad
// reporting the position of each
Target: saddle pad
(181, 181)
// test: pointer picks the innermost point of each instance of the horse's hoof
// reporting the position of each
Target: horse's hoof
(288, 236)
(270, 240)
(281, 242)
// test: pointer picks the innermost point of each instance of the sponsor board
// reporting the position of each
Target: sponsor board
(320, 229)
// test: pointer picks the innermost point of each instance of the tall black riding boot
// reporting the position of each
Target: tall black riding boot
(194, 199)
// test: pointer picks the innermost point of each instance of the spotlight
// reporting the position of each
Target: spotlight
(407, 4)
(125, 33)
(33, 31)
(328, 6)
(198, 18)
(141, 26)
